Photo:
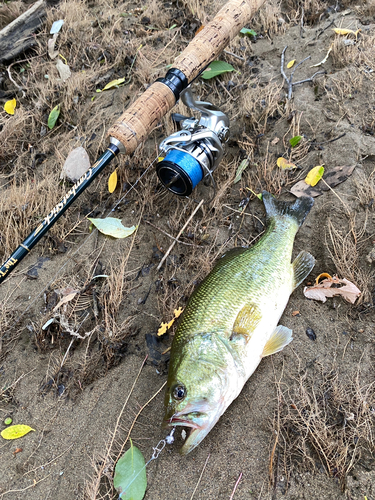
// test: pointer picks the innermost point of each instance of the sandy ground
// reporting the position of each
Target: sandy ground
(73, 402)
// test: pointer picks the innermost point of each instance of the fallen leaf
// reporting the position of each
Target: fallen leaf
(8, 421)
(162, 329)
(76, 164)
(344, 32)
(53, 116)
(166, 326)
(130, 478)
(10, 106)
(15, 431)
(65, 300)
(177, 312)
(216, 68)
(294, 141)
(241, 168)
(17, 450)
(325, 289)
(112, 181)
(314, 176)
(63, 69)
(335, 176)
(285, 164)
(113, 227)
(112, 84)
(291, 63)
(56, 26)
(248, 32)
(51, 46)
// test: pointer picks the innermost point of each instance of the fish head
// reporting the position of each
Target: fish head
(197, 391)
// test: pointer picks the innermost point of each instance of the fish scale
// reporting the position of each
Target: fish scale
(231, 322)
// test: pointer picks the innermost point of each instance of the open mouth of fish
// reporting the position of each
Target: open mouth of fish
(194, 432)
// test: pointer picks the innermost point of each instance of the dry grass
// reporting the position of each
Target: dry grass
(346, 249)
(262, 105)
(324, 421)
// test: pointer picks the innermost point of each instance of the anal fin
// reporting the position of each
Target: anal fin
(247, 320)
(302, 267)
(280, 338)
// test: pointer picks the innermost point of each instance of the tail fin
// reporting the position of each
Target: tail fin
(297, 209)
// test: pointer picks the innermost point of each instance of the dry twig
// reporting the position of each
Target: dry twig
(289, 80)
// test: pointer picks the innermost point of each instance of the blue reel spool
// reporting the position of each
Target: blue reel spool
(179, 172)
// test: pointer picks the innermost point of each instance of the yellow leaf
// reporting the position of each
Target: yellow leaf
(314, 176)
(285, 164)
(178, 312)
(170, 323)
(290, 63)
(114, 83)
(10, 106)
(112, 181)
(15, 431)
(163, 328)
(344, 32)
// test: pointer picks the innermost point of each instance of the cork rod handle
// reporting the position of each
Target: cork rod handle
(142, 116)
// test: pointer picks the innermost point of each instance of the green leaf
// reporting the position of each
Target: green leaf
(130, 475)
(15, 431)
(113, 227)
(8, 421)
(53, 116)
(216, 68)
(248, 32)
(242, 166)
(295, 140)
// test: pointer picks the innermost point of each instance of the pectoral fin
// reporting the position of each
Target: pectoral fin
(281, 337)
(302, 267)
(246, 322)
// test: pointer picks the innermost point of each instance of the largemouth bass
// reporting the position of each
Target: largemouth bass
(231, 322)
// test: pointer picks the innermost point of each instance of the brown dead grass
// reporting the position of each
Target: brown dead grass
(346, 251)
(262, 103)
(324, 420)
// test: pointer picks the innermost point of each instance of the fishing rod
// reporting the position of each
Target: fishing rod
(191, 154)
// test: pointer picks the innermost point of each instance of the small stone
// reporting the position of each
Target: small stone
(310, 333)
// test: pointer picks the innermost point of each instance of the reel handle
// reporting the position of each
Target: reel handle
(143, 115)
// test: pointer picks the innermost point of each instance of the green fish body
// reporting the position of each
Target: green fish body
(231, 322)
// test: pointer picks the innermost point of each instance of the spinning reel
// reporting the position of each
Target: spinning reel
(193, 153)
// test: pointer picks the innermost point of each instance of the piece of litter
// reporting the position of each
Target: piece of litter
(183, 434)
(56, 26)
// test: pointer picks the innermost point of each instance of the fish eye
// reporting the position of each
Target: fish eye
(179, 392)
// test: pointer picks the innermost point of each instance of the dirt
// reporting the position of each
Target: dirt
(76, 392)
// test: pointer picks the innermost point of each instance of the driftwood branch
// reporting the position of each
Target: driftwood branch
(18, 35)
(289, 80)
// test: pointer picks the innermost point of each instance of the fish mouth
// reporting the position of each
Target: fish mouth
(195, 432)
